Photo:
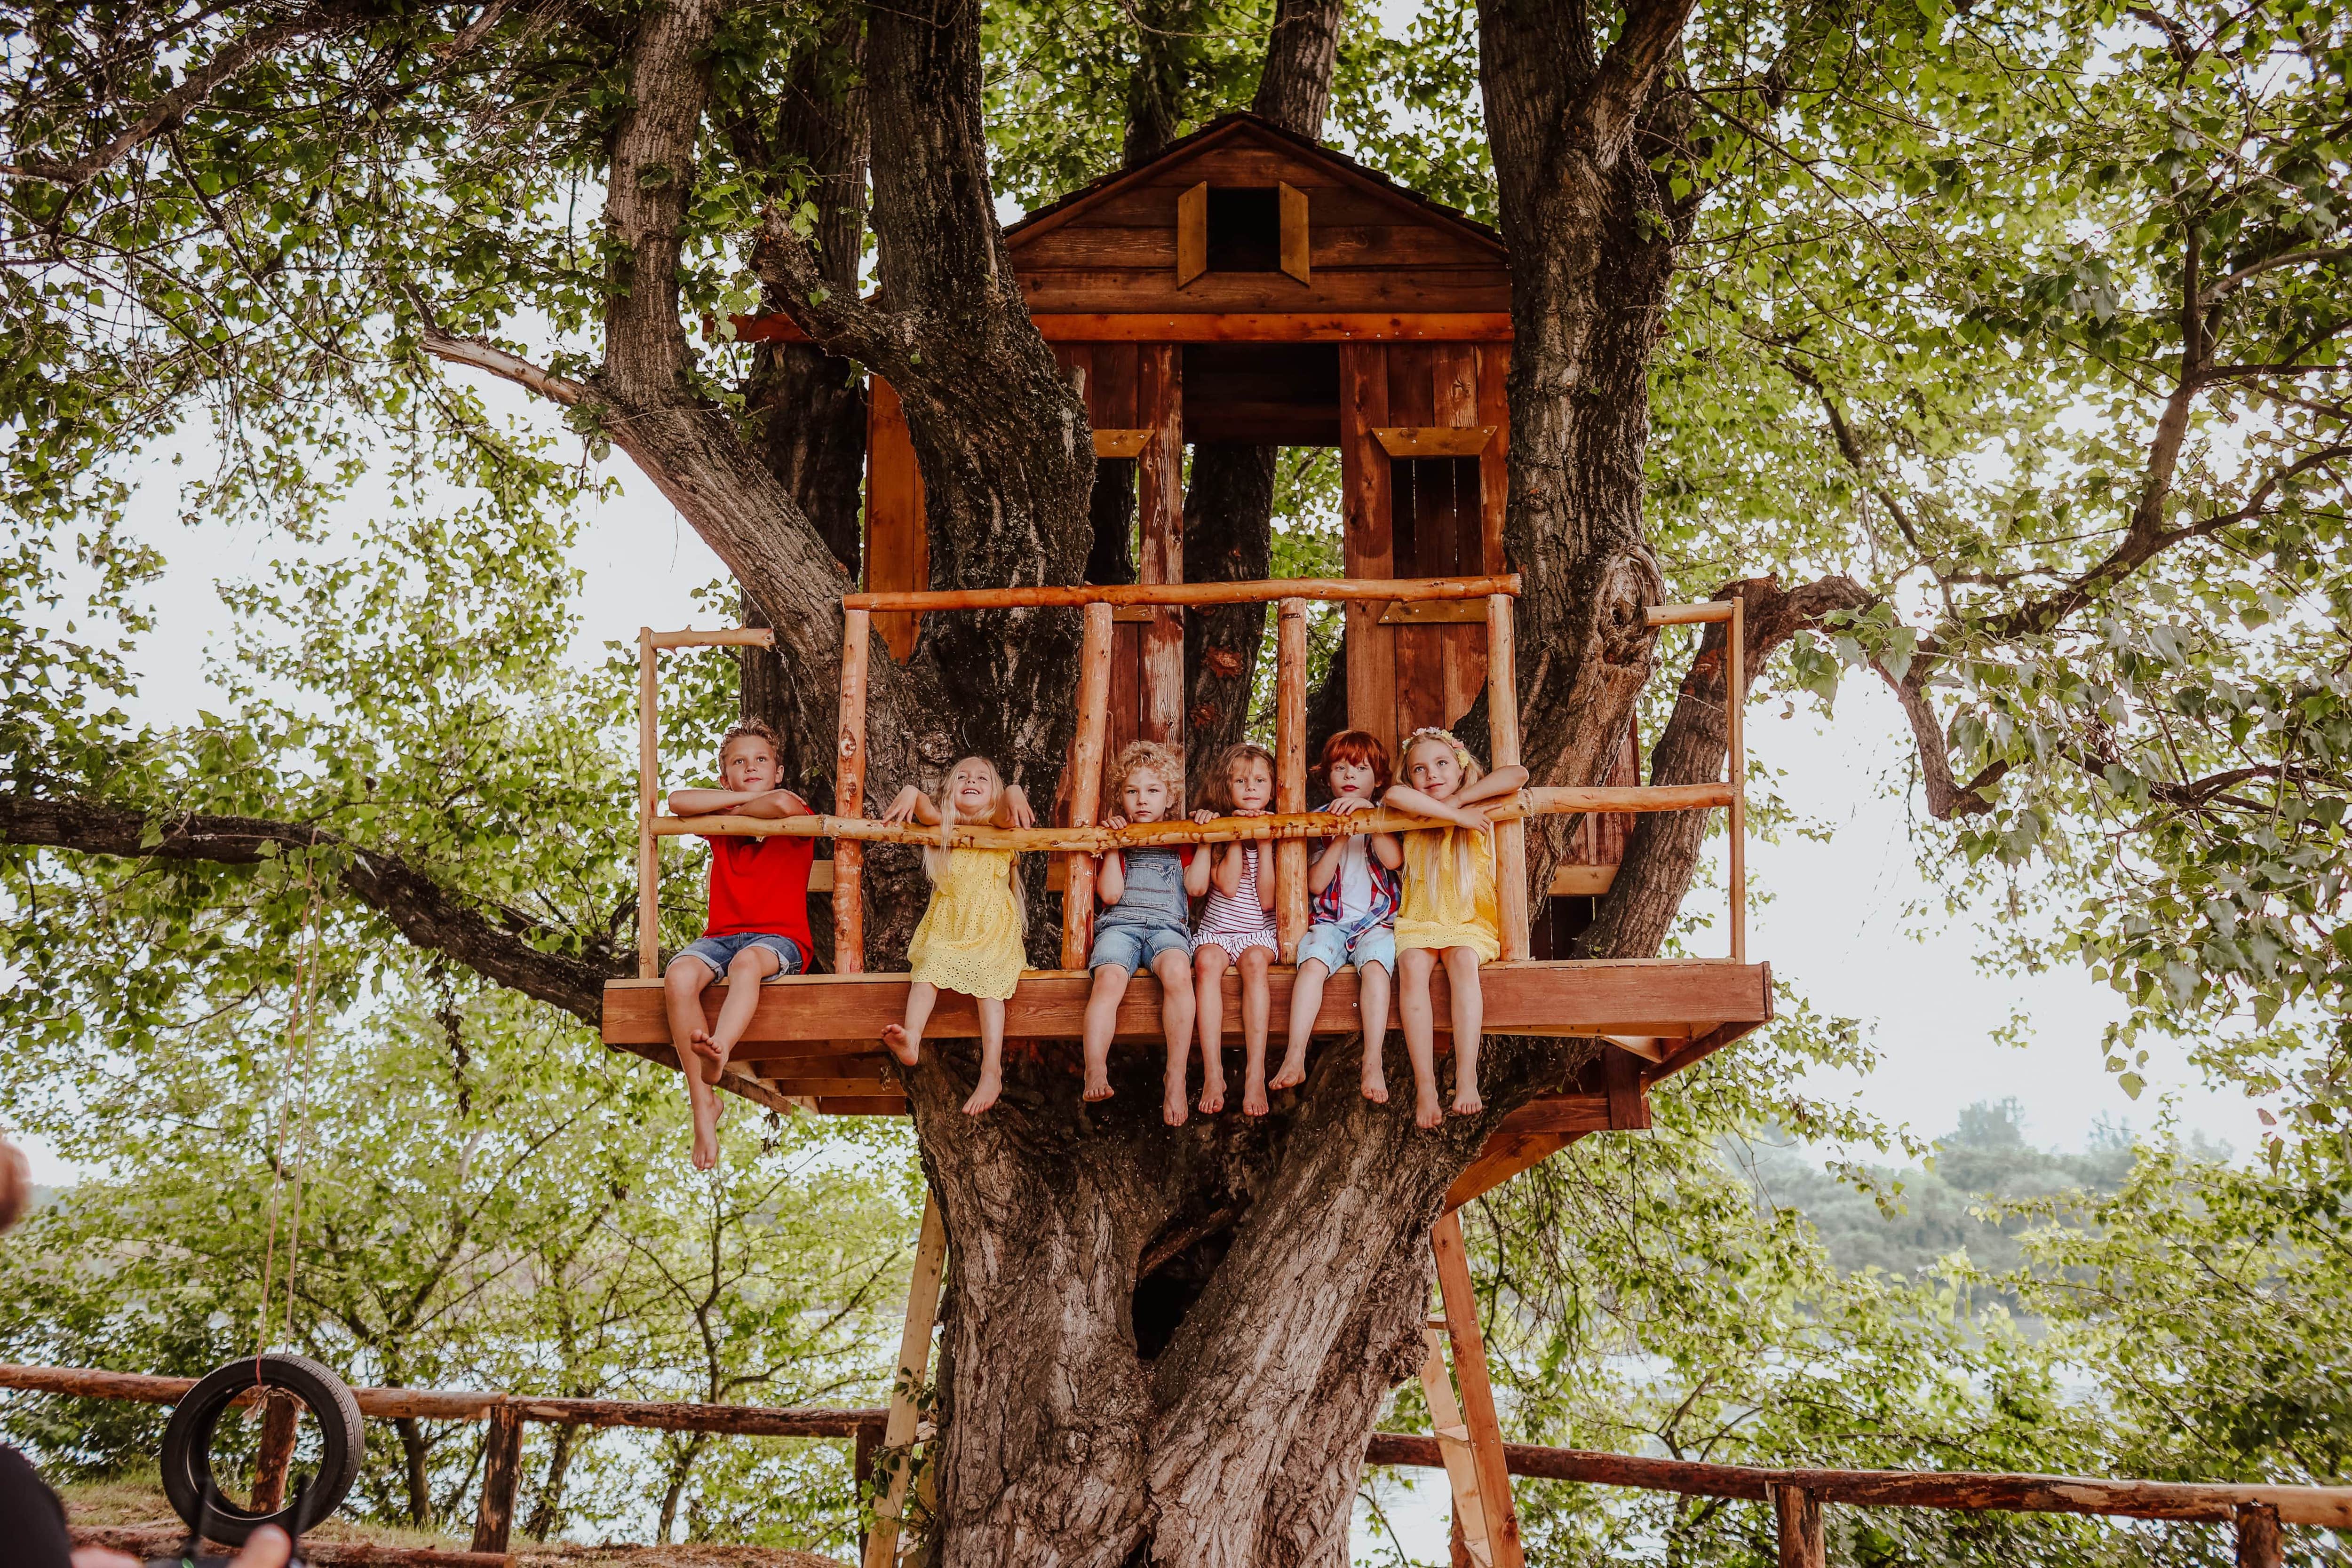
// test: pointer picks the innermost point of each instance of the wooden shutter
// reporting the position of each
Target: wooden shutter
(1294, 230)
(1192, 233)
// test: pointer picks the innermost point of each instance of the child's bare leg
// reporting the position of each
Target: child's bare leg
(682, 989)
(991, 1056)
(1175, 977)
(1101, 1023)
(751, 967)
(1372, 1012)
(904, 1040)
(1305, 1000)
(1258, 1007)
(1209, 967)
(1469, 1018)
(1414, 1011)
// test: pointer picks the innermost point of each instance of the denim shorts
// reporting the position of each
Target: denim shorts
(718, 952)
(1134, 947)
(1334, 945)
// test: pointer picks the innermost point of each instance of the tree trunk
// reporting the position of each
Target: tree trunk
(416, 1453)
(1228, 537)
(547, 1513)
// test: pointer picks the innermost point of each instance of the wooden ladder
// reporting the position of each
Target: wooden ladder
(1469, 1435)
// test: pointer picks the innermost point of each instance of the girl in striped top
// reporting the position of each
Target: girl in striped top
(1236, 930)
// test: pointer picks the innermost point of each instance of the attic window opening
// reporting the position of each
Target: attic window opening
(1248, 229)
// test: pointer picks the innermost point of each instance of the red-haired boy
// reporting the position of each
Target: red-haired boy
(1353, 885)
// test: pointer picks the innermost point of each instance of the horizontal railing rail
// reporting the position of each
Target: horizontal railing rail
(2253, 1507)
(1268, 590)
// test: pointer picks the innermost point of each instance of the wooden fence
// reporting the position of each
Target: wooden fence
(2257, 1514)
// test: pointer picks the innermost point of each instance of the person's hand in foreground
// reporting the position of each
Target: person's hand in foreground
(268, 1548)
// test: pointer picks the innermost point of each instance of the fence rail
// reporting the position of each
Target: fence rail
(2256, 1511)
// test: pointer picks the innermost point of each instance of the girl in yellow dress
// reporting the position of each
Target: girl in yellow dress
(1449, 913)
(971, 937)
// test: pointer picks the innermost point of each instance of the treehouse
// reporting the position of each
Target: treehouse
(1249, 287)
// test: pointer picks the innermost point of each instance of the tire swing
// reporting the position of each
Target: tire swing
(186, 1460)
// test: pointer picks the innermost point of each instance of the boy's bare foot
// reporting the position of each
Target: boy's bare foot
(1213, 1096)
(1098, 1086)
(702, 1045)
(1171, 1108)
(985, 1094)
(1376, 1081)
(1252, 1096)
(894, 1041)
(706, 1143)
(1291, 1073)
(1428, 1111)
(1466, 1101)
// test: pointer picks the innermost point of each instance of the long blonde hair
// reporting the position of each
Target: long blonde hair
(935, 856)
(1429, 734)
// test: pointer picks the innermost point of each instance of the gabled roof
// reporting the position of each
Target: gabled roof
(1244, 126)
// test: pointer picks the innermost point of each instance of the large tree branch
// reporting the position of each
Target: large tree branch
(429, 916)
(844, 325)
(168, 108)
(1600, 117)
(648, 186)
(1302, 45)
(1947, 797)
(477, 354)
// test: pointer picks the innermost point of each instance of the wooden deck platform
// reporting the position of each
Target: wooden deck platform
(815, 1041)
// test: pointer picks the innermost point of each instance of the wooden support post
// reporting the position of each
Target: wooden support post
(1159, 526)
(648, 781)
(501, 1468)
(1734, 702)
(1453, 1449)
(275, 1458)
(849, 797)
(1290, 772)
(2258, 1543)
(1502, 1516)
(1799, 1511)
(914, 1366)
(1085, 782)
(1503, 724)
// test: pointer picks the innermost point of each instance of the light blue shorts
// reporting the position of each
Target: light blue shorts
(1332, 945)
(717, 952)
(1135, 947)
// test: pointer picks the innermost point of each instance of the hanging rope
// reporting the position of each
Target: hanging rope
(293, 1102)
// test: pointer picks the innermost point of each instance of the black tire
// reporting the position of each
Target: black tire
(186, 1457)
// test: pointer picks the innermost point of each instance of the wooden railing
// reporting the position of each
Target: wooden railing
(2256, 1511)
(1289, 828)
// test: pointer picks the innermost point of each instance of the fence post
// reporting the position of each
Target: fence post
(1290, 772)
(501, 1468)
(648, 781)
(1085, 783)
(849, 797)
(2258, 1543)
(279, 1412)
(1503, 730)
(1799, 1512)
(1735, 704)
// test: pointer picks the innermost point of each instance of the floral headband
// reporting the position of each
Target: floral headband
(1432, 732)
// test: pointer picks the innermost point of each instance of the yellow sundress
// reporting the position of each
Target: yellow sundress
(1438, 911)
(970, 938)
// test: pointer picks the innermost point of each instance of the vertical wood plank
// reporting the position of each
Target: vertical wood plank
(1367, 537)
(1192, 233)
(2258, 1543)
(281, 1413)
(501, 1468)
(1454, 384)
(1295, 245)
(1413, 397)
(648, 781)
(1502, 721)
(861, 1473)
(1114, 387)
(897, 547)
(1086, 782)
(1453, 404)
(1477, 1394)
(1125, 700)
(1620, 1079)
(1493, 460)
(1734, 708)
(1453, 1448)
(1290, 772)
(849, 796)
(1159, 504)
(1799, 1512)
(914, 1367)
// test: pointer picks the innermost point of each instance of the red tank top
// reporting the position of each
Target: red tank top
(760, 886)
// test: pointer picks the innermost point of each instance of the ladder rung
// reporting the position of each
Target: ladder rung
(1454, 1433)
(1437, 1320)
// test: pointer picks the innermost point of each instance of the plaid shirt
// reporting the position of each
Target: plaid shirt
(1324, 907)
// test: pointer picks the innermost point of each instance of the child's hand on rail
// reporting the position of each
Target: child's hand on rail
(1346, 804)
(1204, 816)
(1016, 802)
(902, 808)
(1114, 821)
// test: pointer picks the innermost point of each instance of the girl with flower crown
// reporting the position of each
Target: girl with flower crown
(1449, 914)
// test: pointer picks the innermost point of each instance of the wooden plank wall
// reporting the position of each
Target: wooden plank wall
(1367, 250)
(897, 550)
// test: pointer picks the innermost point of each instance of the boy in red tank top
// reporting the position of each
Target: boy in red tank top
(758, 930)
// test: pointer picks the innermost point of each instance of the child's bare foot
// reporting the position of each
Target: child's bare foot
(702, 1045)
(1252, 1096)
(1428, 1111)
(1291, 1073)
(1098, 1086)
(1171, 1108)
(896, 1042)
(1376, 1081)
(1466, 1100)
(706, 1143)
(1213, 1096)
(985, 1094)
